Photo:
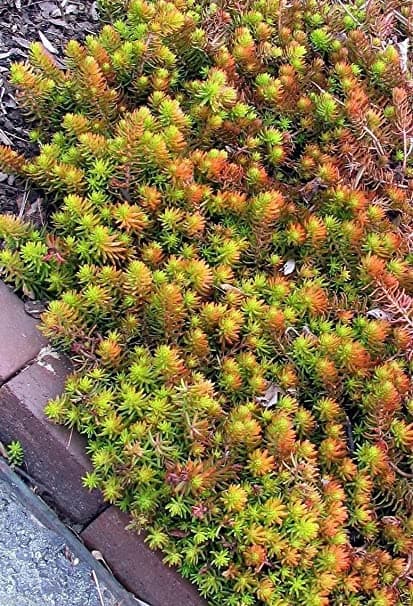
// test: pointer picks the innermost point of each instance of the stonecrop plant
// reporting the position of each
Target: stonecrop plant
(228, 262)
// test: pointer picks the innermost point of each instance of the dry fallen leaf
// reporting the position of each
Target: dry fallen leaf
(288, 267)
(34, 308)
(378, 314)
(47, 44)
(94, 11)
(97, 555)
(271, 396)
(6, 55)
(4, 139)
(231, 288)
(94, 576)
(404, 54)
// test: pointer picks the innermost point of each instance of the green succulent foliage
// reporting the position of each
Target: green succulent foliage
(15, 453)
(228, 264)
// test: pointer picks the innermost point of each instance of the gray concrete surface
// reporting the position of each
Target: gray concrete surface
(40, 562)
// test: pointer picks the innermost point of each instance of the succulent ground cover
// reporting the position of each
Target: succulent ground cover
(229, 265)
(57, 21)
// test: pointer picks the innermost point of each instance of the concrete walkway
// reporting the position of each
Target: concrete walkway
(41, 561)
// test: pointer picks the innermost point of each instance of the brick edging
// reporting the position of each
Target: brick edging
(126, 551)
(49, 520)
(31, 373)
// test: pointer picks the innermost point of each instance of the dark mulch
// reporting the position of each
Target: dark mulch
(21, 22)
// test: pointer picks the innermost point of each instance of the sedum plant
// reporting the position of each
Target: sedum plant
(228, 262)
(15, 453)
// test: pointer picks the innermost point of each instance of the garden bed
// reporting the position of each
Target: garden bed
(22, 22)
(230, 271)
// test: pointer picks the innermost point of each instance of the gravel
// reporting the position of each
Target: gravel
(37, 566)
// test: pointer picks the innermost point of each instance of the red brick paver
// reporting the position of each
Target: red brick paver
(20, 341)
(54, 456)
(139, 568)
